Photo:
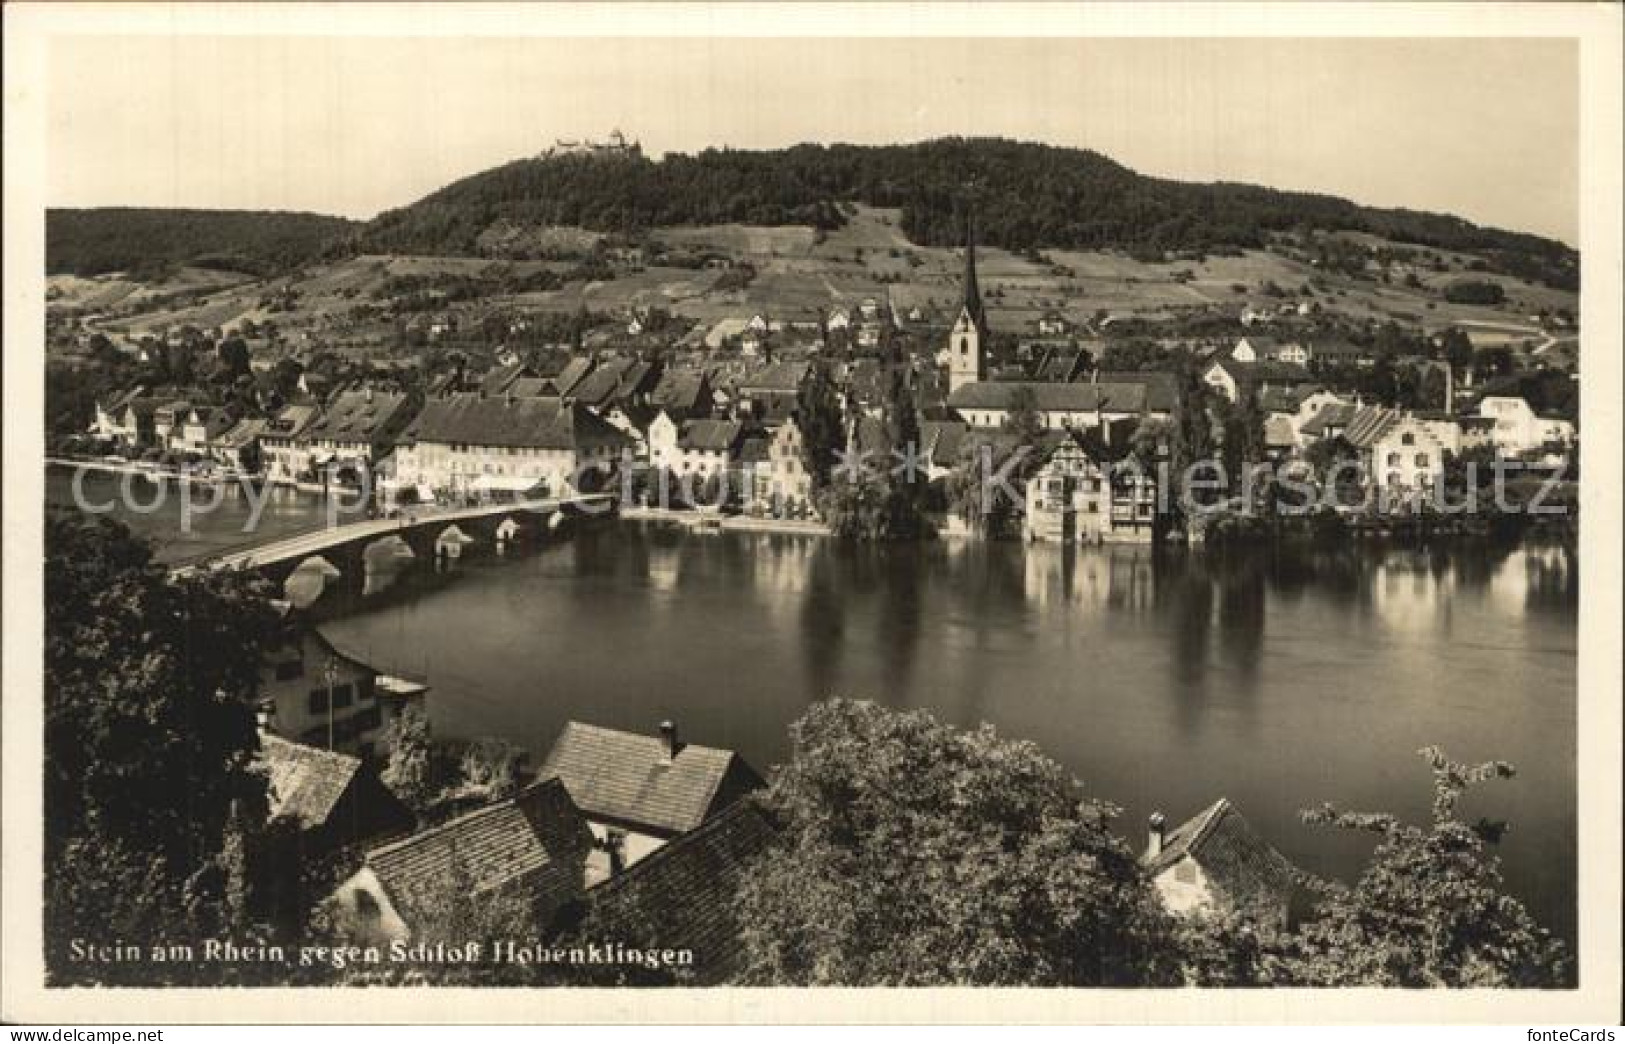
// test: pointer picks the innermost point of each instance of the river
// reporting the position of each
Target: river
(1279, 680)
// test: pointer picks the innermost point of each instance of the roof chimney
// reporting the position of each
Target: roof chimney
(1158, 833)
(668, 732)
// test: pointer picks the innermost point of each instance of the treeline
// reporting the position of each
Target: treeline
(146, 241)
(1025, 196)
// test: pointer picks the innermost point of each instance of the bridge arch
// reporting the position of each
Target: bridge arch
(450, 542)
(309, 580)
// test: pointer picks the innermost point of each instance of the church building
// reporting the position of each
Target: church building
(967, 343)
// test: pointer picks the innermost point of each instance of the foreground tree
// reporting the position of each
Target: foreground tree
(1429, 909)
(912, 853)
(151, 791)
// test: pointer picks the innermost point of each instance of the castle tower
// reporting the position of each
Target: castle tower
(966, 342)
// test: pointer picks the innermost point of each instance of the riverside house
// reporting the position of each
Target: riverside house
(356, 430)
(472, 445)
(284, 455)
(313, 693)
(534, 845)
(1215, 862)
(639, 792)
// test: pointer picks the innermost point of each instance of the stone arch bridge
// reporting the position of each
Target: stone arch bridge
(307, 566)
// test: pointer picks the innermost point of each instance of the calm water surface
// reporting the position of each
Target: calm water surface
(217, 518)
(1165, 682)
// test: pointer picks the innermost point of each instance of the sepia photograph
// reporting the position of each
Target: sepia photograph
(524, 499)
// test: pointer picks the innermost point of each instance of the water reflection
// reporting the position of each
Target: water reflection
(1277, 677)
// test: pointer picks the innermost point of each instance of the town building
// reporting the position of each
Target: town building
(1519, 429)
(534, 845)
(285, 457)
(1215, 863)
(335, 799)
(1233, 378)
(356, 430)
(470, 445)
(683, 897)
(639, 792)
(1078, 406)
(312, 693)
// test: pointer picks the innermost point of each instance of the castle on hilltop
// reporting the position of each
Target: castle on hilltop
(616, 145)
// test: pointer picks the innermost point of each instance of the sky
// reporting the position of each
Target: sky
(1484, 128)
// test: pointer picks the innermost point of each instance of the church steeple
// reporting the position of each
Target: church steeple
(973, 293)
(966, 364)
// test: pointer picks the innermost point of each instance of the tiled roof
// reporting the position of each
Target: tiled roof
(679, 390)
(537, 834)
(357, 416)
(1161, 389)
(306, 782)
(784, 376)
(1285, 400)
(292, 420)
(537, 423)
(1243, 867)
(683, 895)
(1052, 397)
(626, 777)
(1263, 370)
(242, 433)
(601, 385)
(499, 378)
(574, 370)
(1369, 424)
(1331, 415)
(709, 435)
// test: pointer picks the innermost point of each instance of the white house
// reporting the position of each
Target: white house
(469, 444)
(637, 792)
(1518, 429)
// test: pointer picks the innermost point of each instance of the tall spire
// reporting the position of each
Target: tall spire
(973, 294)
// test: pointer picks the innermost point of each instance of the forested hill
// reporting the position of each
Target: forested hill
(146, 240)
(1027, 196)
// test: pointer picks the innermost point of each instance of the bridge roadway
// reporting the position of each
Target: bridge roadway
(316, 541)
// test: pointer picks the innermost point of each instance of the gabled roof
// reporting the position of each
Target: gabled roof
(1285, 400)
(306, 782)
(514, 841)
(601, 385)
(1332, 415)
(1241, 866)
(679, 390)
(684, 895)
(292, 421)
(498, 378)
(357, 416)
(1052, 397)
(1161, 389)
(781, 376)
(536, 423)
(628, 778)
(1263, 370)
(709, 435)
(1369, 424)
(242, 433)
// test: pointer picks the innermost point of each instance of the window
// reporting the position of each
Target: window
(365, 689)
(964, 346)
(318, 701)
(1421, 460)
(1393, 460)
(1407, 439)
